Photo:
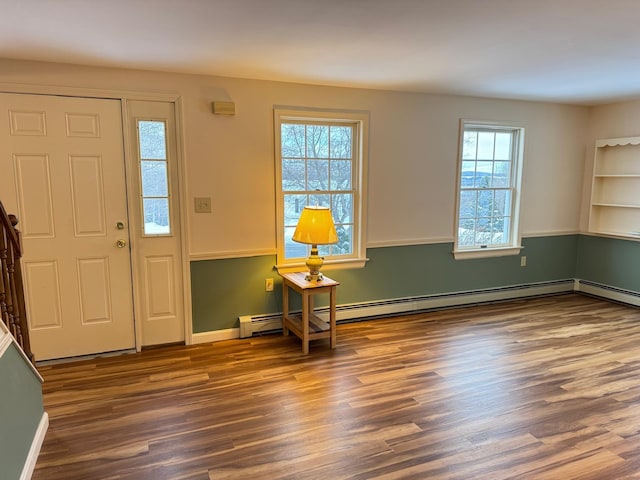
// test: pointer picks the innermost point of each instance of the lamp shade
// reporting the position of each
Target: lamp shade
(316, 227)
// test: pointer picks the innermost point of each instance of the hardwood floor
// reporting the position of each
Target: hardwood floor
(545, 388)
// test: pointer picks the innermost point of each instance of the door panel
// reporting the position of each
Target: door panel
(42, 291)
(95, 292)
(34, 195)
(87, 195)
(160, 275)
(63, 173)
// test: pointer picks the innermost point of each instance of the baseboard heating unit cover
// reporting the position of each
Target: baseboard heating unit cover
(268, 323)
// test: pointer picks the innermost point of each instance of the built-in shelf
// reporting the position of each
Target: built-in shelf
(615, 190)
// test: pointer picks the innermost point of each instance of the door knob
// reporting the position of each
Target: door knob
(121, 243)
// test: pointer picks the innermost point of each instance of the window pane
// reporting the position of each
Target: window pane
(292, 139)
(342, 208)
(485, 203)
(317, 141)
(501, 174)
(293, 175)
(345, 240)
(508, 203)
(468, 174)
(485, 145)
(340, 175)
(501, 204)
(154, 178)
(484, 171)
(318, 175)
(466, 232)
(483, 231)
(156, 216)
(321, 200)
(340, 142)
(506, 228)
(499, 234)
(293, 205)
(152, 140)
(503, 146)
(293, 249)
(469, 145)
(468, 204)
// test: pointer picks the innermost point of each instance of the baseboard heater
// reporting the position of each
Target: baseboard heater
(268, 323)
(610, 293)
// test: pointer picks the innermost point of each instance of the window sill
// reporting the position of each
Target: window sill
(486, 252)
(328, 265)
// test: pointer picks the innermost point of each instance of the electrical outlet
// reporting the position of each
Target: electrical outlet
(523, 261)
(268, 285)
(202, 204)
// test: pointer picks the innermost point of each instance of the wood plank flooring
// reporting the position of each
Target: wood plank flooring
(545, 388)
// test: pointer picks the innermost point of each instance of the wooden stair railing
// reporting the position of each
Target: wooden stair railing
(12, 304)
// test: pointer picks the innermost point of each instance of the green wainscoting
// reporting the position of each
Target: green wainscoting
(21, 410)
(223, 290)
(609, 261)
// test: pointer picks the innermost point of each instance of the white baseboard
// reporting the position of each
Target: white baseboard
(34, 451)
(216, 336)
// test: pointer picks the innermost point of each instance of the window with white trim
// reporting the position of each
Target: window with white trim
(321, 160)
(488, 190)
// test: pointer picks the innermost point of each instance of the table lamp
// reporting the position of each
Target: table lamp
(315, 227)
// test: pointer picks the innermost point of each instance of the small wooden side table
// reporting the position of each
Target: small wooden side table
(308, 326)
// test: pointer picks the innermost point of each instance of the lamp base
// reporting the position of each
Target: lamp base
(314, 277)
(314, 264)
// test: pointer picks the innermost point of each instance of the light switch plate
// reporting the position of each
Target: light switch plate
(202, 204)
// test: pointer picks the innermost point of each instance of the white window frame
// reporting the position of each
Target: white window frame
(360, 121)
(513, 245)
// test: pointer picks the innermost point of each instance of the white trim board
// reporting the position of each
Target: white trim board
(232, 254)
(216, 335)
(36, 445)
(77, 91)
(5, 338)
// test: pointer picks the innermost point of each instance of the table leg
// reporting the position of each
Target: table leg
(285, 307)
(306, 302)
(332, 316)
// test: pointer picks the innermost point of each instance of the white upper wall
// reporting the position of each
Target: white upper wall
(412, 164)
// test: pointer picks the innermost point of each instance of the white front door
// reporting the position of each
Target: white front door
(62, 173)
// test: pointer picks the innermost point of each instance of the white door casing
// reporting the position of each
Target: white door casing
(62, 164)
(157, 259)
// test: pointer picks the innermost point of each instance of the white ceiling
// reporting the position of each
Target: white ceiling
(571, 51)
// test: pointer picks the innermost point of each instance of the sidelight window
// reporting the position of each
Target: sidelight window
(153, 162)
